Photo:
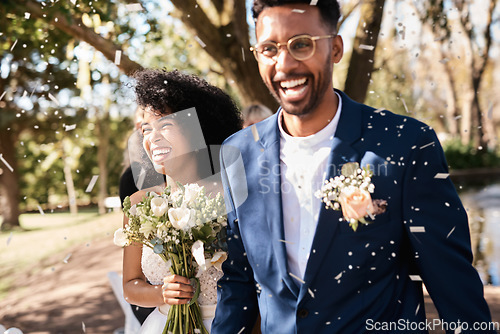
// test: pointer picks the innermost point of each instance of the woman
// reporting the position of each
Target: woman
(183, 117)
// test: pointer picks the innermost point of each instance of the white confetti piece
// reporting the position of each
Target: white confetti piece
(286, 242)
(3, 94)
(40, 210)
(53, 98)
(13, 46)
(300, 11)
(426, 145)
(66, 259)
(243, 54)
(297, 278)
(338, 276)
(134, 7)
(310, 292)
(202, 44)
(404, 104)
(118, 57)
(27, 15)
(83, 327)
(379, 110)
(313, 2)
(73, 2)
(415, 277)
(6, 163)
(418, 308)
(241, 330)
(366, 47)
(92, 183)
(417, 229)
(69, 127)
(453, 229)
(255, 133)
(441, 175)
(9, 238)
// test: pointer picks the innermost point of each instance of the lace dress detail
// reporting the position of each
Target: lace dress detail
(155, 269)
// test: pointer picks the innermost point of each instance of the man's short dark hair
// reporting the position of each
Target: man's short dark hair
(329, 9)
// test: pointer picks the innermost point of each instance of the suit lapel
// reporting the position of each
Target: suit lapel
(270, 187)
(348, 131)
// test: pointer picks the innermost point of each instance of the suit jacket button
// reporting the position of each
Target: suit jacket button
(302, 313)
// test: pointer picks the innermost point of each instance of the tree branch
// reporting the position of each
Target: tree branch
(81, 32)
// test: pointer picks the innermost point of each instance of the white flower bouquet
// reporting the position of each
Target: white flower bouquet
(185, 227)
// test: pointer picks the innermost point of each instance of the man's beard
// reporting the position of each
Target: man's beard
(316, 95)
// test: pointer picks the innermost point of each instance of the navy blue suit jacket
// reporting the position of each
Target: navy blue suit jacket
(355, 282)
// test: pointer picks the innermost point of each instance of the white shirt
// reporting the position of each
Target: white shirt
(303, 163)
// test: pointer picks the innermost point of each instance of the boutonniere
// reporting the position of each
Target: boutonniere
(351, 192)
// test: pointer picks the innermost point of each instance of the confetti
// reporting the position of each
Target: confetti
(53, 98)
(453, 229)
(338, 276)
(40, 209)
(69, 127)
(241, 330)
(366, 47)
(243, 54)
(6, 163)
(134, 7)
(313, 2)
(426, 145)
(310, 292)
(300, 11)
(418, 308)
(27, 15)
(66, 259)
(3, 94)
(441, 175)
(202, 44)
(415, 277)
(9, 238)
(286, 242)
(83, 327)
(92, 183)
(404, 104)
(297, 278)
(118, 57)
(379, 110)
(13, 46)
(255, 133)
(417, 229)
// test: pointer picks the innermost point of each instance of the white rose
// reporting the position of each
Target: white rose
(120, 238)
(182, 218)
(199, 254)
(191, 192)
(218, 259)
(159, 206)
(133, 210)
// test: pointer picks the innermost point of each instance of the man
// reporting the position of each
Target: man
(305, 267)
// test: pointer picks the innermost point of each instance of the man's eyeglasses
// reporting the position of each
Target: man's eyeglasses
(300, 47)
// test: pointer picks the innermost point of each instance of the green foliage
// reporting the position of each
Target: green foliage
(461, 156)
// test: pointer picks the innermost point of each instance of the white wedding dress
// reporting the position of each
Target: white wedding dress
(155, 269)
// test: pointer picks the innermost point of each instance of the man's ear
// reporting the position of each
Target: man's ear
(337, 49)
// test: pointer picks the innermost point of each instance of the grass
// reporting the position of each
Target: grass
(44, 235)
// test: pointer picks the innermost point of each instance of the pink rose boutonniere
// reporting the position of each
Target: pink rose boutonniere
(351, 193)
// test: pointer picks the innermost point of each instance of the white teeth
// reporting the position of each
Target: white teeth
(159, 151)
(292, 83)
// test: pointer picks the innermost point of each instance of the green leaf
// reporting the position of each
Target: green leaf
(350, 168)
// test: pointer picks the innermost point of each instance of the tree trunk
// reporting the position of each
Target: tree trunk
(102, 126)
(9, 181)
(363, 52)
(70, 186)
(230, 47)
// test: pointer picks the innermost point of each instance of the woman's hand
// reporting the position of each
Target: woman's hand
(177, 290)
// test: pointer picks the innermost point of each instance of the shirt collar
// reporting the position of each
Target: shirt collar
(327, 133)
